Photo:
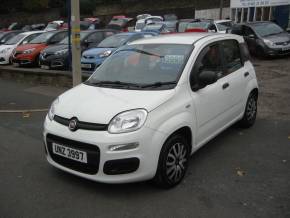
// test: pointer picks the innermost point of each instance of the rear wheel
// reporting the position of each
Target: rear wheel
(250, 113)
(173, 162)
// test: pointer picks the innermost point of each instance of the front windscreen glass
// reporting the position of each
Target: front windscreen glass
(42, 38)
(114, 41)
(143, 66)
(267, 29)
(65, 40)
(14, 40)
(224, 25)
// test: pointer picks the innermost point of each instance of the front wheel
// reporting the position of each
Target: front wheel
(250, 113)
(173, 162)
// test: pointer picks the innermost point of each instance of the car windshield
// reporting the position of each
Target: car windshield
(52, 26)
(193, 25)
(143, 66)
(222, 26)
(267, 29)
(65, 40)
(114, 41)
(42, 38)
(14, 40)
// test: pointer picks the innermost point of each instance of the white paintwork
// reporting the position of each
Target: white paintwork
(206, 112)
(144, 21)
(9, 48)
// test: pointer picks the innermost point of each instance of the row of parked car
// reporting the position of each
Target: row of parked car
(49, 49)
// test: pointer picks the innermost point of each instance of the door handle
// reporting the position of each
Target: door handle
(226, 85)
(246, 74)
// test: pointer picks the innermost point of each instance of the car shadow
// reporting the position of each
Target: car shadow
(212, 147)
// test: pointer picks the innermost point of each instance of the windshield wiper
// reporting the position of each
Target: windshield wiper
(143, 52)
(159, 84)
(115, 83)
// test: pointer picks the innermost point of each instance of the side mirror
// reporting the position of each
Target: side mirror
(24, 42)
(251, 36)
(212, 28)
(206, 78)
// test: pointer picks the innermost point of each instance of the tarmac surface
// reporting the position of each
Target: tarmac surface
(240, 173)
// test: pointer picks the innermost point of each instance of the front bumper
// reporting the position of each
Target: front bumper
(147, 153)
(54, 61)
(273, 52)
(4, 59)
(23, 59)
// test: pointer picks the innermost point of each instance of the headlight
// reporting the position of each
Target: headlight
(268, 42)
(61, 52)
(128, 121)
(51, 111)
(28, 51)
(105, 54)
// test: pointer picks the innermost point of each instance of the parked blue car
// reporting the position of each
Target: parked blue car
(94, 57)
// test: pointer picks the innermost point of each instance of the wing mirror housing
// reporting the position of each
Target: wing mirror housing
(206, 78)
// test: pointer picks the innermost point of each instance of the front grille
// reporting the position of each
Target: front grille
(283, 43)
(88, 57)
(93, 154)
(81, 124)
(46, 55)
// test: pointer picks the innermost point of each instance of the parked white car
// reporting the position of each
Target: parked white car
(7, 49)
(141, 23)
(151, 105)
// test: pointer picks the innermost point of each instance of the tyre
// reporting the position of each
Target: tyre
(173, 162)
(250, 113)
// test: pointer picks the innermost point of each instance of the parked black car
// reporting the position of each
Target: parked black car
(264, 38)
(57, 56)
(5, 36)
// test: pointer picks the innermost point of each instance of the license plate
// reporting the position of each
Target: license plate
(44, 67)
(69, 153)
(286, 49)
(86, 66)
(15, 64)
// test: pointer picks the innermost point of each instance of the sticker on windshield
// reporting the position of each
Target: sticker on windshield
(173, 59)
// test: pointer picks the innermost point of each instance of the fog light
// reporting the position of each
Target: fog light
(123, 147)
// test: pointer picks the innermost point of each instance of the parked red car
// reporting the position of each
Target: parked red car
(28, 54)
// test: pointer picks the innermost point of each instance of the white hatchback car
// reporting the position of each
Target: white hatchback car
(151, 105)
(6, 50)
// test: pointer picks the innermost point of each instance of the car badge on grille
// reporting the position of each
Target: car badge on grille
(73, 123)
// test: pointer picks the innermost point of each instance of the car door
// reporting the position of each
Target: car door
(211, 102)
(235, 77)
(250, 38)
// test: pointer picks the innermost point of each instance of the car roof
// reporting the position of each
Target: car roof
(184, 38)
(255, 23)
(221, 21)
(180, 38)
(99, 30)
(32, 32)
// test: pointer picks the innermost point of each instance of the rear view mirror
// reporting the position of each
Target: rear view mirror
(206, 78)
